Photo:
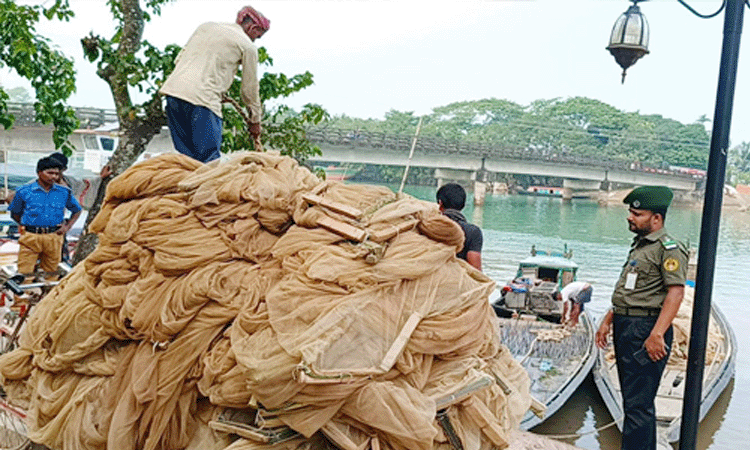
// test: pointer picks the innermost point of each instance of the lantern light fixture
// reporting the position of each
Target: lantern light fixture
(628, 43)
(629, 39)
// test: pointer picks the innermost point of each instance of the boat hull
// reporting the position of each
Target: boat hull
(556, 369)
(717, 375)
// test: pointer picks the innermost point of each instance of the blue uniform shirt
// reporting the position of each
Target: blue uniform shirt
(39, 208)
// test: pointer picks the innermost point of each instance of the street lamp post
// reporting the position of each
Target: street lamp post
(717, 161)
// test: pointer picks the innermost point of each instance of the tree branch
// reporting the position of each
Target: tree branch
(132, 28)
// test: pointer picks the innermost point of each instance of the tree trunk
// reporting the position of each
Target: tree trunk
(135, 131)
(133, 141)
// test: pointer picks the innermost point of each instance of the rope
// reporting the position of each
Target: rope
(575, 435)
(531, 347)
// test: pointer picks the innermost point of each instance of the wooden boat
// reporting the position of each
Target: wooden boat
(545, 191)
(719, 370)
(340, 173)
(556, 358)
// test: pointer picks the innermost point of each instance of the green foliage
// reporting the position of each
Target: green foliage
(127, 62)
(283, 128)
(6, 120)
(278, 85)
(144, 70)
(738, 164)
(400, 122)
(474, 120)
(374, 173)
(32, 56)
(576, 126)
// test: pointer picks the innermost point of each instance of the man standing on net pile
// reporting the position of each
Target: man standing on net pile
(204, 71)
(39, 207)
(646, 299)
(451, 198)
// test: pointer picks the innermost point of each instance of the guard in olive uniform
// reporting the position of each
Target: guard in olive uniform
(645, 301)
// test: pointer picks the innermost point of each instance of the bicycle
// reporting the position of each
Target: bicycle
(16, 302)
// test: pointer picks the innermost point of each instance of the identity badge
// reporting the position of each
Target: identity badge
(630, 280)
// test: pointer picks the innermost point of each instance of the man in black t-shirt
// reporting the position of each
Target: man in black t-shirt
(452, 198)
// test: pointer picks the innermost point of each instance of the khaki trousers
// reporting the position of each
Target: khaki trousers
(47, 248)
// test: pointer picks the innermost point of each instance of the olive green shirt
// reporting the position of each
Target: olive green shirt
(655, 262)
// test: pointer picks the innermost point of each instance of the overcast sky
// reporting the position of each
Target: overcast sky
(368, 57)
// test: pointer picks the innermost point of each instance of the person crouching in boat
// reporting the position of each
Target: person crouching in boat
(646, 299)
(574, 295)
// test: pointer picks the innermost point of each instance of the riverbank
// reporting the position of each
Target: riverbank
(733, 199)
(600, 240)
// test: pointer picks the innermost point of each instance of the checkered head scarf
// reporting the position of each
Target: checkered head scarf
(258, 18)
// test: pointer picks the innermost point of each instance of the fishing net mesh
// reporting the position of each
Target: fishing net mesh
(681, 338)
(216, 286)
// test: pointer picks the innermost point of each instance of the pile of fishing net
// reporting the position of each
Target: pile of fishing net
(247, 298)
(681, 326)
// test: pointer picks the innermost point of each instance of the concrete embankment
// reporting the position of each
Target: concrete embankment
(732, 199)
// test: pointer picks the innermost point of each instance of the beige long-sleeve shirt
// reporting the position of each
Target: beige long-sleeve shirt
(206, 66)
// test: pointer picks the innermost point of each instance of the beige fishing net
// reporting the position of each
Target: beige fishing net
(681, 326)
(681, 337)
(250, 289)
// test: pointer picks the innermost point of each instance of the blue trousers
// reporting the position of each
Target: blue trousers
(195, 130)
(638, 383)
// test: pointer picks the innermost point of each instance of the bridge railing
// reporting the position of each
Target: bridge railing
(433, 145)
(89, 117)
(96, 117)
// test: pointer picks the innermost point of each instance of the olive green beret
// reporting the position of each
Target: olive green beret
(649, 197)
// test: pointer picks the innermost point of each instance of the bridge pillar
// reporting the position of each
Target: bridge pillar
(582, 185)
(477, 217)
(480, 190)
(567, 194)
(447, 175)
(499, 187)
(571, 185)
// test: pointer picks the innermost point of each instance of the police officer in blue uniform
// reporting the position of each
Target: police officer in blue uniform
(645, 301)
(40, 208)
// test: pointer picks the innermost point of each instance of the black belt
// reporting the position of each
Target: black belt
(636, 312)
(41, 230)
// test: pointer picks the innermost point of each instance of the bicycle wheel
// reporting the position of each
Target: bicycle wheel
(13, 435)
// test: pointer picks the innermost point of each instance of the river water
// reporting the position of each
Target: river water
(600, 239)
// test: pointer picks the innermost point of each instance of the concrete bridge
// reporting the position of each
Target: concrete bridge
(482, 163)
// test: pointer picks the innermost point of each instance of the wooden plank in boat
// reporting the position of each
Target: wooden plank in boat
(667, 408)
(666, 387)
(611, 372)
